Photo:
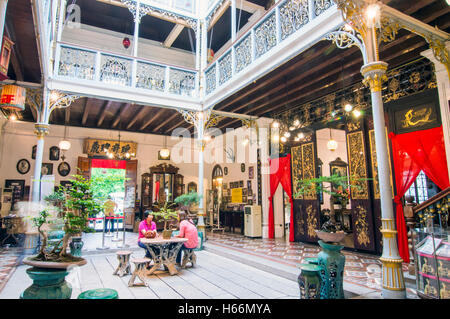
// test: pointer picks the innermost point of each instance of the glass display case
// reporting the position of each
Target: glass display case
(432, 261)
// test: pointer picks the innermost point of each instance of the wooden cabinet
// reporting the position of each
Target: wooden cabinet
(178, 186)
(146, 191)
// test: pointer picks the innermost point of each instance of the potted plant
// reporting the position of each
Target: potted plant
(166, 213)
(71, 207)
(186, 200)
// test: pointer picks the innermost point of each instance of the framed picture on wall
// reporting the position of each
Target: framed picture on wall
(33, 152)
(244, 191)
(241, 184)
(249, 185)
(47, 169)
(23, 166)
(242, 167)
(66, 184)
(251, 172)
(54, 153)
(63, 168)
(250, 202)
(225, 170)
(249, 192)
(17, 187)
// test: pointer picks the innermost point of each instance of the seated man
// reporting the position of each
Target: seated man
(147, 229)
(187, 230)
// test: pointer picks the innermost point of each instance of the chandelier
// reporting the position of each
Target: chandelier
(164, 152)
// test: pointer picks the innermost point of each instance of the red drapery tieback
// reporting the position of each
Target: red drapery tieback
(280, 173)
(413, 152)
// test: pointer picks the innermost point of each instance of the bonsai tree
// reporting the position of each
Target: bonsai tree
(166, 213)
(186, 200)
(73, 205)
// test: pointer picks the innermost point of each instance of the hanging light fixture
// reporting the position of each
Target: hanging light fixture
(13, 97)
(64, 145)
(164, 152)
(332, 145)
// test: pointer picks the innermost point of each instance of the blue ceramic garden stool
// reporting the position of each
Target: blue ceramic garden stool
(101, 293)
(309, 281)
(47, 284)
(311, 260)
(75, 246)
(332, 263)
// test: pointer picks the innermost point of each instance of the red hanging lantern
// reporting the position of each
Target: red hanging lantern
(126, 43)
(13, 97)
(4, 58)
(210, 55)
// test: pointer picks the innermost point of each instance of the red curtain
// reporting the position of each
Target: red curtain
(280, 172)
(413, 152)
(156, 191)
(107, 163)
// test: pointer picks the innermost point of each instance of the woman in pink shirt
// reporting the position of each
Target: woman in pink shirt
(146, 227)
(189, 231)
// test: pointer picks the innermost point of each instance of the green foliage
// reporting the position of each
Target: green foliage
(166, 213)
(188, 199)
(103, 185)
(305, 186)
(41, 219)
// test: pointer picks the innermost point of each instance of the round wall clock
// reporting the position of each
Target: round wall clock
(23, 166)
(64, 169)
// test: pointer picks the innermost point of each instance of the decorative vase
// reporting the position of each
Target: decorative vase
(309, 281)
(332, 264)
(167, 234)
(75, 246)
(47, 284)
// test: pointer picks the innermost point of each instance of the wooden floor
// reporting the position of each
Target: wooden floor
(214, 277)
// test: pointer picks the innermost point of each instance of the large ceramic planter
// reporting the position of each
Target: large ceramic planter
(332, 273)
(49, 279)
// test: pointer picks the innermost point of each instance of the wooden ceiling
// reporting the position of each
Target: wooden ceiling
(320, 70)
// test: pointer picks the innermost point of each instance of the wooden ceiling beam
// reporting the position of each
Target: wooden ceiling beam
(152, 119)
(170, 118)
(105, 109)
(87, 108)
(173, 35)
(15, 56)
(124, 108)
(139, 115)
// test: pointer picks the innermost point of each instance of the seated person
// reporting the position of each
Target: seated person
(187, 230)
(147, 229)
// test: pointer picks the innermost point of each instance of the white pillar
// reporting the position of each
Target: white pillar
(393, 286)
(264, 127)
(137, 22)
(41, 131)
(201, 214)
(3, 5)
(443, 86)
(233, 20)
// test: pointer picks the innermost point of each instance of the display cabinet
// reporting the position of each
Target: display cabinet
(432, 261)
(146, 191)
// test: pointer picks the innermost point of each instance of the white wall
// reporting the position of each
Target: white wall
(18, 140)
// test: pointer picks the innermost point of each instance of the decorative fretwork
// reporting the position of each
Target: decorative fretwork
(311, 221)
(182, 82)
(293, 15)
(296, 166)
(225, 71)
(345, 38)
(213, 12)
(77, 63)
(150, 76)
(266, 35)
(362, 226)
(211, 79)
(115, 70)
(357, 165)
(320, 6)
(309, 168)
(243, 54)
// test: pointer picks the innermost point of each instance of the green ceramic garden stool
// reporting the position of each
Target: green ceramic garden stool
(47, 284)
(309, 281)
(75, 246)
(200, 241)
(101, 293)
(332, 264)
(312, 260)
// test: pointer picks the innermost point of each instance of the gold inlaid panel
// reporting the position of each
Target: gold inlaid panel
(361, 226)
(309, 168)
(311, 221)
(357, 164)
(296, 165)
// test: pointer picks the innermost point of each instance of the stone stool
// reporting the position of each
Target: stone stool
(189, 256)
(124, 267)
(140, 269)
(309, 281)
(101, 293)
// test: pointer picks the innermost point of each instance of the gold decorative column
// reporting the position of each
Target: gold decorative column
(393, 286)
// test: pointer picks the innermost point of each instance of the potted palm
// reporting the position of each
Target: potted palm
(166, 213)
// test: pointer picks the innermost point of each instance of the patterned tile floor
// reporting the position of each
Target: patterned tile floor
(9, 259)
(360, 269)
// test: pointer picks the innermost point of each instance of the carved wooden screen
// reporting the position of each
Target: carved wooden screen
(361, 203)
(306, 206)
